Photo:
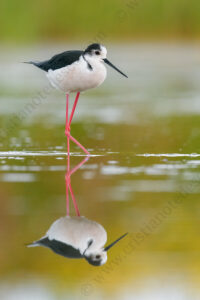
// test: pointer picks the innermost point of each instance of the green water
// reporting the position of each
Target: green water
(142, 177)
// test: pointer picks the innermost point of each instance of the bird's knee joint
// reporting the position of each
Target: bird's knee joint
(67, 131)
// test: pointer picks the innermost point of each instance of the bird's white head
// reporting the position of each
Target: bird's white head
(98, 53)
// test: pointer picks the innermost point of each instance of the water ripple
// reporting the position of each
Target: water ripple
(169, 155)
(19, 154)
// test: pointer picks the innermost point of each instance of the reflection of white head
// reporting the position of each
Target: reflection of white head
(97, 258)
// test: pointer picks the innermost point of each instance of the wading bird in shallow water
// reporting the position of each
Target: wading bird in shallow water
(77, 237)
(76, 71)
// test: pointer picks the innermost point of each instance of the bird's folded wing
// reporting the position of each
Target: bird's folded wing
(59, 60)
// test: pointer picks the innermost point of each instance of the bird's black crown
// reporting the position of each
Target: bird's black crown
(91, 47)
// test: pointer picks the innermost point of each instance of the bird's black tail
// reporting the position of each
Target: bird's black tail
(38, 64)
(34, 244)
(42, 242)
(31, 63)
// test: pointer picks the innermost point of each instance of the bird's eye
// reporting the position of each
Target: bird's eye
(97, 52)
(98, 256)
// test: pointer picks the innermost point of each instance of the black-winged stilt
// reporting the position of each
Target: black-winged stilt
(76, 71)
(77, 237)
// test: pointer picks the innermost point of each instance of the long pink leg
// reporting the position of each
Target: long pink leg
(67, 129)
(73, 108)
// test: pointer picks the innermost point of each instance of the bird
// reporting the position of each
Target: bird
(76, 238)
(76, 71)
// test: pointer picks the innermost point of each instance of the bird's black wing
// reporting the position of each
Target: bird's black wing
(59, 60)
(60, 248)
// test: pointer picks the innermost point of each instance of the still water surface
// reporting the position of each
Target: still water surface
(142, 177)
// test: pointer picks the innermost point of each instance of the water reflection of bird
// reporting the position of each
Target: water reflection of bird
(76, 71)
(77, 237)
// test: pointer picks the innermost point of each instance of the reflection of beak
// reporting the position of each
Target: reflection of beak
(111, 65)
(113, 243)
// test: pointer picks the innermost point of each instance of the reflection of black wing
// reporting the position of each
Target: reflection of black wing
(59, 60)
(60, 248)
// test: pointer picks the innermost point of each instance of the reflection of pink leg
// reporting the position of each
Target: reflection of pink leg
(79, 165)
(74, 201)
(67, 128)
(69, 187)
(67, 178)
(67, 193)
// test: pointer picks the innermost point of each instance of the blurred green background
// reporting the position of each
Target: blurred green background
(34, 21)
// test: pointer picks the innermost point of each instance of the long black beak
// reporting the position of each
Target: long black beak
(113, 243)
(111, 65)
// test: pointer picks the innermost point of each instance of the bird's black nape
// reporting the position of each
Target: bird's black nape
(91, 47)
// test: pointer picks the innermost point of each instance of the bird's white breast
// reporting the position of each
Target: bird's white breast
(78, 77)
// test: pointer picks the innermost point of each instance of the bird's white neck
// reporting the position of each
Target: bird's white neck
(93, 61)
